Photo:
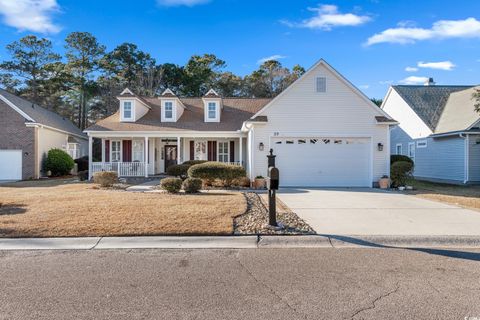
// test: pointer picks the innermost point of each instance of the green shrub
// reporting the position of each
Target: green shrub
(58, 162)
(105, 178)
(171, 185)
(192, 185)
(400, 171)
(178, 170)
(398, 157)
(194, 162)
(216, 170)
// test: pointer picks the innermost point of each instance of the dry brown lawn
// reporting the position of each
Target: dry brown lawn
(60, 209)
(463, 196)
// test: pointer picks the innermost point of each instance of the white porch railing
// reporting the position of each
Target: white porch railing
(123, 169)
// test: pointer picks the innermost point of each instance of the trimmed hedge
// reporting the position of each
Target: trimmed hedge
(171, 185)
(192, 185)
(105, 178)
(398, 157)
(216, 170)
(82, 163)
(178, 170)
(400, 171)
(58, 162)
(194, 162)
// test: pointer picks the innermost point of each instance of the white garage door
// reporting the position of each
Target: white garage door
(10, 164)
(323, 162)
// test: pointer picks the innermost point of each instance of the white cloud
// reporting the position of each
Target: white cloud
(443, 29)
(414, 80)
(31, 15)
(177, 3)
(441, 65)
(411, 69)
(364, 86)
(327, 17)
(274, 57)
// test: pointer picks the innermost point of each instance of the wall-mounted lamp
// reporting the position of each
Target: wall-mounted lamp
(380, 146)
(261, 146)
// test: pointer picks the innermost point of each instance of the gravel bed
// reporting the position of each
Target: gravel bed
(255, 219)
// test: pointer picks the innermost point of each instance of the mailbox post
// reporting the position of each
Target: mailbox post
(273, 183)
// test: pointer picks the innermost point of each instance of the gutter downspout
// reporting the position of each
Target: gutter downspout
(466, 154)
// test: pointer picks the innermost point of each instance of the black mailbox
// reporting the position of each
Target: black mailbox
(273, 178)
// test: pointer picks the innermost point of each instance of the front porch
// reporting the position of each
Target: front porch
(133, 156)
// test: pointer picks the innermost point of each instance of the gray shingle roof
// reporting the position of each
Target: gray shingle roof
(428, 102)
(41, 115)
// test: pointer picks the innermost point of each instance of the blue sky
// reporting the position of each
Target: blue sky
(374, 43)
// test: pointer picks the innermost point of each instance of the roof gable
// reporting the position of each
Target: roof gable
(428, 102)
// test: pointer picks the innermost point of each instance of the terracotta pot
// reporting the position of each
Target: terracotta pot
(259, 183)
(384, 183)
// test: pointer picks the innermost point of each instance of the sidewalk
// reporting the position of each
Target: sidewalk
(239, 242)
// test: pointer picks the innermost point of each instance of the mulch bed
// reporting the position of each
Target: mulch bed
(255, 219)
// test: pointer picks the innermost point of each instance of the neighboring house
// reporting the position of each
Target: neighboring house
(28, 132)
(438, 129)
(323, 130)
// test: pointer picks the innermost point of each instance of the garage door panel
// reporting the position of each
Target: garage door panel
(322, 162)
(10, 164)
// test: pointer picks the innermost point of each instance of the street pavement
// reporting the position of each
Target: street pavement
(319, 283)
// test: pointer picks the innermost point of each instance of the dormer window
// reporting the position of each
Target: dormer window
(169, 110)
(127, 110)
(212, 110)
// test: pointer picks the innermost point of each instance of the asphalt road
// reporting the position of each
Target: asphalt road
(329, 283)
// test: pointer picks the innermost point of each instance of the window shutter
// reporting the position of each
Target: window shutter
(107, 151)
(232, 151)
(127, 150)
(192, 150)
(212, 150)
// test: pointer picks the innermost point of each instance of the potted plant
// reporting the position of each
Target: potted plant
(384, 182)
(259, 182)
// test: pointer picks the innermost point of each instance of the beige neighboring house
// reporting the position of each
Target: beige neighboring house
(323, 130)
(28, 132)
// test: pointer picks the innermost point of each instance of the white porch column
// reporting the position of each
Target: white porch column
(178, 151)
(90, 153)
(103, 150)
(240, 153)
(145, 156)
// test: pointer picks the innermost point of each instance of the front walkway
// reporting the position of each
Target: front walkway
(363, 211)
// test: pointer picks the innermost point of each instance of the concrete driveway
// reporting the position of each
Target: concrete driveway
(363, 211)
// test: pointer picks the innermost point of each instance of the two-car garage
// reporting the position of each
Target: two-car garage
(323, 161)
(10, 165)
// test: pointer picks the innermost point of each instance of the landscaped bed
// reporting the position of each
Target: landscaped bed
(464, 196)
(59, 208)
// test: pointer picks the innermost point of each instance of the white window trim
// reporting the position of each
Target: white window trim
(174, 111)
(408, 151)
(422, 143)
(316, 84)
(217, 112)
(401, 149)
(228, 151)
(111, 150)
(122, 112)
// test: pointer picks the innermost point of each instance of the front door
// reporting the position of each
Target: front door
(170, 156)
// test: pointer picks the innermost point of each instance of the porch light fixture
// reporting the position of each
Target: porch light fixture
(380, 146)
(261, 146)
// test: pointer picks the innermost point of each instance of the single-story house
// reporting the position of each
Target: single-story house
(28, 132)
(323, 130)
(439, 130)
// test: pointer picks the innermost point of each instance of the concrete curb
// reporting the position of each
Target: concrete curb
(240, 242)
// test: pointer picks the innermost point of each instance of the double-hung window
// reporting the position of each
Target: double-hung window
(168, 110)
(212, 110)
(116, 151)
(223, 155)
(399, 148)
(137, 148)
(411, 150)
(127, 110)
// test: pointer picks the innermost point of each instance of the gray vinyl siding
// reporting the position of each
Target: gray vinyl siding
(442, 159)
(474, 159)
